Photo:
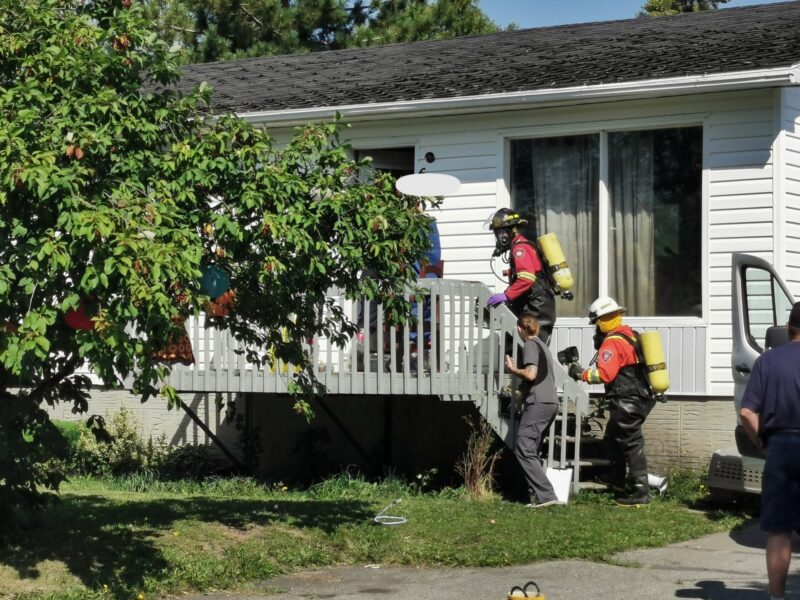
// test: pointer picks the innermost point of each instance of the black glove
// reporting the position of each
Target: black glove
(575, 370)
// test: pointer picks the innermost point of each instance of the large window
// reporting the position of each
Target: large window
(554, 183)
(652, 249)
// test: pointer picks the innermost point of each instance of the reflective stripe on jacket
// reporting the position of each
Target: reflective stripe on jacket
(618, 365)
(525, 266)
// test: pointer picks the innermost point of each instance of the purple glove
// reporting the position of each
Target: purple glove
(496, 299)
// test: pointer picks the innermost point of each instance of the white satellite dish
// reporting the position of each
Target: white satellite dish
(428, 184)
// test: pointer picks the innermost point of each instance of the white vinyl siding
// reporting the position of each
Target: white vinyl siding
(738, 210)
(739, 170)
(470, 155)
(790, 182)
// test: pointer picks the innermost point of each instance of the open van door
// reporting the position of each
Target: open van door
(761, 304)
(761, 307)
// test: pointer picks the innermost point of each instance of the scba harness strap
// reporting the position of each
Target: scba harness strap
(546, 279)
(631, 374)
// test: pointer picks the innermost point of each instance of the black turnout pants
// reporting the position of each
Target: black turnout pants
(624, 437)
(542, 304)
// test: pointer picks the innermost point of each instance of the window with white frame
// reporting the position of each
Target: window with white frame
(648, 195)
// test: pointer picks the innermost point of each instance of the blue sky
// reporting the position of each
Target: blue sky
(541, 13)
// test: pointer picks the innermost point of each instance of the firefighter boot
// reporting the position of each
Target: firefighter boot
(641, 492)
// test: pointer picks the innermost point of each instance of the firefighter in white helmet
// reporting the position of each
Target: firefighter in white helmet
(620, 367)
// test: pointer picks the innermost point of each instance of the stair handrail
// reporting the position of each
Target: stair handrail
(573, 398)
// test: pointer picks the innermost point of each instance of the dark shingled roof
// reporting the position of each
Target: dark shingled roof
(722, 41)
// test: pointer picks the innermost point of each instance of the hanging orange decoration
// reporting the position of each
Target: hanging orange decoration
(221, 305)
(177, 350)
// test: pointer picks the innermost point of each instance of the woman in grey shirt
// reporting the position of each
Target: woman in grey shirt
(539, 409)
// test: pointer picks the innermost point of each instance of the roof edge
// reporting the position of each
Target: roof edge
(760, 78)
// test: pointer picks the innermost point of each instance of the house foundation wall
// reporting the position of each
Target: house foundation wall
(422, 433)
(155, 421)
(682, 433)
(381, 435)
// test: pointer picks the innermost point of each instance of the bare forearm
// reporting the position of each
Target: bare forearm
(525, 374)
(750, 424)
(528, 372)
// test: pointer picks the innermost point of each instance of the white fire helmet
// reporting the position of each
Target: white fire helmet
(605, 305)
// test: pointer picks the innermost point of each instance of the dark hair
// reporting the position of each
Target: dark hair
(529, 324)
(794, 321)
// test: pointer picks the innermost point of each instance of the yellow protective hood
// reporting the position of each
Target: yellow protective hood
(610, 322)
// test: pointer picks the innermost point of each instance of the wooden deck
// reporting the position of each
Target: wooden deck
(464, 362)
(467, 346)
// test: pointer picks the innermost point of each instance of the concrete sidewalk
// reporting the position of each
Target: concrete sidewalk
(723, 566)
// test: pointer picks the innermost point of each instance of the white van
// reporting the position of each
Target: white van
(761, 304)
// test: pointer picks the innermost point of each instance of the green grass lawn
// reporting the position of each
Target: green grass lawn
(131, 538)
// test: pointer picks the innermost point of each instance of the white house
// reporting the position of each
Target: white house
(653, 148)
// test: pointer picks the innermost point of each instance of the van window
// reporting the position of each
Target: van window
(765, 303)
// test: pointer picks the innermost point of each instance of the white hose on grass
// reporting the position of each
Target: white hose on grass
(382, 519)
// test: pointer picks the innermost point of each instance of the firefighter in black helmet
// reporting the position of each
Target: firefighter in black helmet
(528, 289)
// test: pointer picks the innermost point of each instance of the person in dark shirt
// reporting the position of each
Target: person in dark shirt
(430, 267)
(770, 415)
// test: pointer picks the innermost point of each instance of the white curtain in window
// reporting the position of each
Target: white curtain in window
(631, 249)
(564, 201)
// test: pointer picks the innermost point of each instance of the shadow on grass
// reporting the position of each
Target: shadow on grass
(746, 506)
(101, 540)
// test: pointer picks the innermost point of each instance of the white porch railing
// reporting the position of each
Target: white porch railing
(463, 361)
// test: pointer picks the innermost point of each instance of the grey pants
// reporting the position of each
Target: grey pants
(533, 424)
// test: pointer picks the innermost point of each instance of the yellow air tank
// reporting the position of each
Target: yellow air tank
(655, 364)
(554, 256)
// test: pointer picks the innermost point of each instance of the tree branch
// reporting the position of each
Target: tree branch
(48, 384)
(252, 16)
(183, 29)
